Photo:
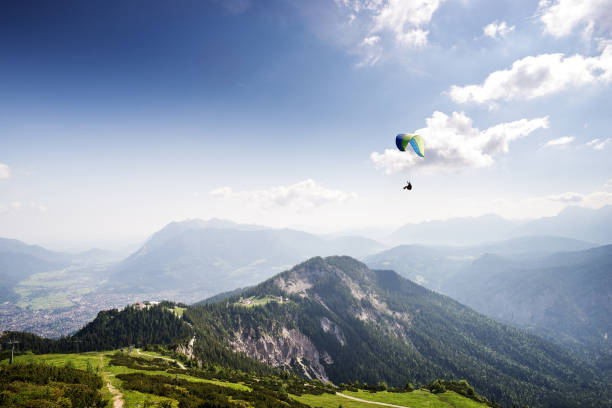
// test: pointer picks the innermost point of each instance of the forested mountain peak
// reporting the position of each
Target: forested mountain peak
(316, 317)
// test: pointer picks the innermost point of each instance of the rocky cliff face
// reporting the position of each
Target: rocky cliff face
(187, 349)
(291, 349)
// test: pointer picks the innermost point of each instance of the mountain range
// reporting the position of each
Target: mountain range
(592, 225)
(334, 319)
(18, 261)
(216, 256)
(558, 288)
(565, 297)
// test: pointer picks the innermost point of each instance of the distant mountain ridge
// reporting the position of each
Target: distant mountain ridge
(216, 256)
(559, 288)
(579, 223)
(565, 297)
(18, 261)
(433, 265)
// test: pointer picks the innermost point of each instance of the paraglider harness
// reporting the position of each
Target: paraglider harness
(408, 186)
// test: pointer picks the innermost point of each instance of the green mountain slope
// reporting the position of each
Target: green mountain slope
(565, 297)
(335, 319)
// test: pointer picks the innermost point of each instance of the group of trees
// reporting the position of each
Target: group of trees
(45, 386)
(111, 329)
(203, 395)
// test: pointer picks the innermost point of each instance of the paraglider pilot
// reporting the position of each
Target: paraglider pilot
(408, 186)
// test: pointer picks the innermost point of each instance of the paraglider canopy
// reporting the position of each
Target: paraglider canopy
(415, 141)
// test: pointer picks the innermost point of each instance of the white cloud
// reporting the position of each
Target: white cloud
(599, 144)
(375, 24)
(371, 50)
(532, 77)
(406, 20)
(370, 40)
(451, 142)
(497, 30)
(561, 17)
(5, 171)
(562, 141)
(303, 195)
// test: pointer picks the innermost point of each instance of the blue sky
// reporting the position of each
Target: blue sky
(118, 117)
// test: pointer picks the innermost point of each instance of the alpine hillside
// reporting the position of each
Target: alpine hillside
(334, 319)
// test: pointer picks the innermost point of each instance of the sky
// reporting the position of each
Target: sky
(118, 117)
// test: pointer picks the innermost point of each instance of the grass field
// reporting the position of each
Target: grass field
(99, 363)
(415, 399)
(55, 289)
(178, 311)
(252, 301)
(418, 398)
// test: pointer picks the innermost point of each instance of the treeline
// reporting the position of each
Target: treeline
(40, 385)
(112, 328)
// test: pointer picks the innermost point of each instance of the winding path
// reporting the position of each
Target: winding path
(370, 402)
(163, 358)
(117, 395)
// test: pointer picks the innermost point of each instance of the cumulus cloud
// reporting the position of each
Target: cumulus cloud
(303, 195)
(452, 142)
(536, 76)
(406, 20)
(599, 144)
(562, 141)
(561, 17)
(5, 171)
(377, 23)
(497, 30)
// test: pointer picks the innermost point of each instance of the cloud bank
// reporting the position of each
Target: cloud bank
(453, 143)
(303, 195)
(537, 76)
